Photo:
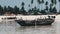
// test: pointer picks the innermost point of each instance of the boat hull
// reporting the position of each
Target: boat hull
(35, 22)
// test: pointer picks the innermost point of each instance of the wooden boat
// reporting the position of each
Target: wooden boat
(36, 22)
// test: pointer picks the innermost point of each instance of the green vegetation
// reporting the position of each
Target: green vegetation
(31, 11)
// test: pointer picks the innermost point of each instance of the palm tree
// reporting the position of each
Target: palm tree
(53, 1)
(29, 11)
(29, 5)
(16, 10)
(5, 9)
(54, 10)
(39, 2)
(46, 6)
(31, 1)
(42, 1)
(50, 9)
(23, 11)
(38, 11)
(22, 4)
(9, 9)
(35, 12)
(1, 10)
(46, 3)
(43, 12)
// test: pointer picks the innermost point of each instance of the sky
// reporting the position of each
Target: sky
(17, 3)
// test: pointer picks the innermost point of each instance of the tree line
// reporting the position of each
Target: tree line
(31, 11)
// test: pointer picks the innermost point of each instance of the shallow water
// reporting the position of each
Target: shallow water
(14, 28)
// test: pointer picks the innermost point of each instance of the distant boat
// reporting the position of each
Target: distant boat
(36, 22)
(9, 18)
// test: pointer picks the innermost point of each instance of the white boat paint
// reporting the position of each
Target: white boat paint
(27, 17)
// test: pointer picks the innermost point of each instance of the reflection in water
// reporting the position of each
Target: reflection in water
(17, 29)
(37, 29)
